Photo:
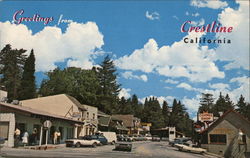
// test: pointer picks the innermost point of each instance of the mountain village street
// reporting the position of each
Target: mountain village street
(140, 149)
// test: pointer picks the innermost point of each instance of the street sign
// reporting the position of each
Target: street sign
(47, 124)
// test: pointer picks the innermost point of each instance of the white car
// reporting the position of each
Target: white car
(82, 141)
(190, 148)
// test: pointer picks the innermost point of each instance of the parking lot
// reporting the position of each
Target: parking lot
(140, 149)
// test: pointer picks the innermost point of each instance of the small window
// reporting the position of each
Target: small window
(93, 116)
(218, 138)
(87, 115)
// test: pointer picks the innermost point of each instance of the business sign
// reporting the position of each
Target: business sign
(205, 116)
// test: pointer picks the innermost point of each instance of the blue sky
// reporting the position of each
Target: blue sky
(144, 40)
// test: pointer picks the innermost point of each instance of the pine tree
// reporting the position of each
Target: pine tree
(165, 113)
(229, 103)
(206, 103)
(136, 106)
(11, 63)
(109, 88)
(28, 85)
(243, 107)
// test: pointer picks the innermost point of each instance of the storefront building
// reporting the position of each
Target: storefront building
(228, 136)
(28, 120)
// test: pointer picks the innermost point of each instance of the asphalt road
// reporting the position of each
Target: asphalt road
(140, 149)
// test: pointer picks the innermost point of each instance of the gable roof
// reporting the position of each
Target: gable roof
(241, 122)
(61, 104)
(127, 119)
(35, 112)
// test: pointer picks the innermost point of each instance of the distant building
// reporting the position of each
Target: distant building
(90, 120)
(228, 136)
(111, 123)
(132, 123)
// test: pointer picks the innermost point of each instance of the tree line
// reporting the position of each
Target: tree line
(223, 104)
(99, 87)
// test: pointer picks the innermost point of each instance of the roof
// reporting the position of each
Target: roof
(76, 102)
(36, 112)
(100, 113)
(104, 121)
(240, 123)
(61, 104)
(127, 119)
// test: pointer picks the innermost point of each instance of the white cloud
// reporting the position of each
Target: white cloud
(198, 23)
(51, 45)
(219, 86)
(192, 14)
(175, 17)
(237, 53)
(196, 14)
(152, 16)
(169, 99)
(213, 4)
(130, 75)
(124, 93)
(171, 81)
(185, 86)
(175, 61)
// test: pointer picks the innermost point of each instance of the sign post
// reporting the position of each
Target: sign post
(47, 124)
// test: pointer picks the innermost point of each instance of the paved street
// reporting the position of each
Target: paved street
(140, 149)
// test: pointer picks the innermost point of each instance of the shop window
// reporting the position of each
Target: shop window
(218, 139)
(4, 128)
(37, 127)
(61, 132)
(69, 133)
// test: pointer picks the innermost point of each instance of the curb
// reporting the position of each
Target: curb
(212, 154)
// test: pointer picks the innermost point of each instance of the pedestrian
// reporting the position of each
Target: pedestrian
(25, 138)
(55, 137)
(34, 137)
(16, 137)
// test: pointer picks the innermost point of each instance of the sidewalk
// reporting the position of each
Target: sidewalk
(212, 154)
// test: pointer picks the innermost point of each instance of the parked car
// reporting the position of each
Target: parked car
(190, 148)
(156, 138)
(101, 138)
(82, 141)
(123, 146)
(110, 136)
(178, 141)
(148, 137)
(2, 140)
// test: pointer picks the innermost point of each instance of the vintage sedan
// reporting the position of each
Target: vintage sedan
(82, 141)
(123, 146)
(190, 148)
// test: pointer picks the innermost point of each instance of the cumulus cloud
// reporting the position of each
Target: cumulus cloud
(152, 16)
(220, 86)
(185, 86)
(177, 60)
(171, 81)
(130, 75)
(169, 99)
(125, 92)
(213, 4)
(192, 14)
(175, 17)
(198, 23)
(236, 53)
(78, 43)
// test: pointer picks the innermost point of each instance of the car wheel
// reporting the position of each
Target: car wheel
(94, 145)
(78, 145)
(113, 142)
